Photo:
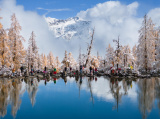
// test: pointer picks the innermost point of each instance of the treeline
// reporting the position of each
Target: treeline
(143, 56)
(14, 55)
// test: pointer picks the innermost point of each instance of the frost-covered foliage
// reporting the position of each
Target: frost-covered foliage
(118, 59)
(103, 63)
(134, 54)
(32, 52)
(44, 61)
(128, 58)
(50, 60)
(5, 53)
(146, 45)
(15, 43)
(57, 63)
(65, 61)
(39, 62)
(71, 60)
(122, 56)
(157, 62)
(95, 62)
(110, 56)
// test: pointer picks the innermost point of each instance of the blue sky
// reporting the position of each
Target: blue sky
(75, 6)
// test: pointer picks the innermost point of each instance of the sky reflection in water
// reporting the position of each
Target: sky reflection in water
(80, 98)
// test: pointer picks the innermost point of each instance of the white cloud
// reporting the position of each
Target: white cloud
(155, 16)
(111, 19)
(30, 21)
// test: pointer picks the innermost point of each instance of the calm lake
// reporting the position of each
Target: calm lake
(80, 98)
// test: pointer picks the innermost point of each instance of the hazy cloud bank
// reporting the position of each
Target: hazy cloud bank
(112, 19)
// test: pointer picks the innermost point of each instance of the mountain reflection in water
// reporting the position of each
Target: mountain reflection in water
(144, 94)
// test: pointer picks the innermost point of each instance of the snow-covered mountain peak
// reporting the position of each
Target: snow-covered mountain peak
(68, 28)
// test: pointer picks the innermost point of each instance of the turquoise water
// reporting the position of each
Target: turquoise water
(71, 98)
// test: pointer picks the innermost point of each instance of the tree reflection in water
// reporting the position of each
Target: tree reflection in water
(147, 91)
(32, 88)
(90, 88)
(5, 89)
(157, 90)
(15, 95)
(10, 92)
(115, 90)
(146, 95)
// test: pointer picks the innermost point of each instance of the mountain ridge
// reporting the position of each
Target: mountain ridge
(70, 28)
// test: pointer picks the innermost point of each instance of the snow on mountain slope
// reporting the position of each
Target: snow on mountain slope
(71, 28)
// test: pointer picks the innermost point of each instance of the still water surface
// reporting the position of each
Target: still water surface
(83, 98)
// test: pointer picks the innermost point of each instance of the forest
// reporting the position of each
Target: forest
(143, 57)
